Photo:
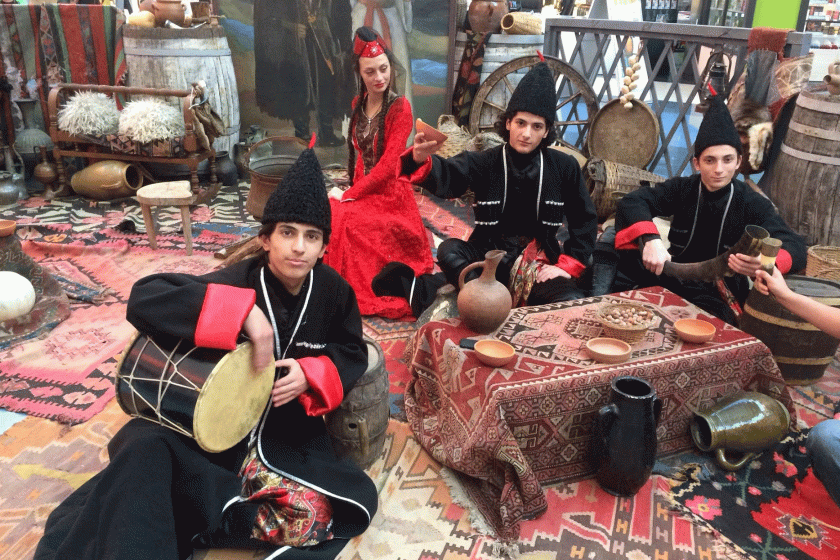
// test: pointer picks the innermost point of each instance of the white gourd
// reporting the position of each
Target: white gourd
(17, 295)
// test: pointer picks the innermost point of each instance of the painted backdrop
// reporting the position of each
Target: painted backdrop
(278, 69)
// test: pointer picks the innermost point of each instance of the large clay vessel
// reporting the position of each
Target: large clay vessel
(745, 423)
(485, 16)
(107, 180)
(624, 436)
(484, 302)
(172, 10)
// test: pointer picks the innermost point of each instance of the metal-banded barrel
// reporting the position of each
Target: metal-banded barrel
(358, 426)
(801, 350)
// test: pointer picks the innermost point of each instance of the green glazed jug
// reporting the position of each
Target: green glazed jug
(744, 423)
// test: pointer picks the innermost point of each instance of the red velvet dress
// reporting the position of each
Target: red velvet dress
(377, 220)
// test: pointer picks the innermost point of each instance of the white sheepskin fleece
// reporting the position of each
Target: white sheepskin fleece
(147, 120)
(89, 112)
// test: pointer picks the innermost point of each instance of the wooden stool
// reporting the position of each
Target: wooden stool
(170, 193)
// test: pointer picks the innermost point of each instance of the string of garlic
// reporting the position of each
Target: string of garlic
(631, 75)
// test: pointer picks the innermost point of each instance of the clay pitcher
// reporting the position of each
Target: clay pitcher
(484, 302)
(485, 16)
(745, 423)
(172, 10)
(624, 445)
(107, 180)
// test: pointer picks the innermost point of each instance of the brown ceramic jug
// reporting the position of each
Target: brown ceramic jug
(483, 303)
(172, 10)
(485, 16)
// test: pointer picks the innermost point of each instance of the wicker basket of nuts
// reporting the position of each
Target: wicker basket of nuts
(626, 321)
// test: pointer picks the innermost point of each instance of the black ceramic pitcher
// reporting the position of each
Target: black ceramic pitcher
(624, 436)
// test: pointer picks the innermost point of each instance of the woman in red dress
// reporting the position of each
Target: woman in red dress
(376, 220)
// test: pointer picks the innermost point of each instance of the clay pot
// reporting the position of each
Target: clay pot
(226, 171)
(624, 436)
(483, 303)
(172, 10)
(485, 16)
(107, 180)
(745, 423)
(45, 172)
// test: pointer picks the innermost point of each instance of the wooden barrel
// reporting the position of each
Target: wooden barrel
(801, 351)
(160, 57)
(498, 50)
(805, 179)
(358, 426)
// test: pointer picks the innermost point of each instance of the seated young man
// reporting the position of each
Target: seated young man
(710, 211)
(282, 487)
(523, 192)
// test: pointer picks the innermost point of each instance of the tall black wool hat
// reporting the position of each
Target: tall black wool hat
(536, 94)
(301, 196)
(717, 128)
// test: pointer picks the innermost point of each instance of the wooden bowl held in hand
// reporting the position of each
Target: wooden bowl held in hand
(494, 353)
(695, 330)
(608, 350)
(431, 133)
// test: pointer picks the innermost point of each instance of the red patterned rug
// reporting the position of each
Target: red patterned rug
(67, 374)
(774, 508)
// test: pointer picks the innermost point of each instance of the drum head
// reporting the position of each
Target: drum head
(231, 401)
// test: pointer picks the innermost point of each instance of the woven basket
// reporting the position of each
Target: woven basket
(823, 262)
(457, 136)
(630, 333)
(609, 181)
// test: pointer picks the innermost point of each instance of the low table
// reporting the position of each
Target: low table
(512, 429)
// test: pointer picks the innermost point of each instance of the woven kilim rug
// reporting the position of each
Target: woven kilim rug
(42, 462)
(67, 374)
(773, 509)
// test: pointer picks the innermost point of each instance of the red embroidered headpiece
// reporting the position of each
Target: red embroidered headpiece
(368, 49)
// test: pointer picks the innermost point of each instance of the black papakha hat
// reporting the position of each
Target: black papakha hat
(536, 94)
(717, 128)
(301, 196)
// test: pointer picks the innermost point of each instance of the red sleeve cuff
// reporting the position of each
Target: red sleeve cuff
(325, 390)
(628, 237)
(421, 172)
(222, 315)
(784, 261)
(571, 265)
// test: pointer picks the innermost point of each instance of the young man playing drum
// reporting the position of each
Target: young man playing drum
(161, 496)
(710, 211)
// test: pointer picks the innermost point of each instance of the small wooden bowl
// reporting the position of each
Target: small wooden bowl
(432, 134)
(494, 353)
(7, 227)
(695, 330)
(608, 350)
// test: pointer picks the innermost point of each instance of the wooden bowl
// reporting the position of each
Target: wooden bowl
(608, 350)
(695, 330)
(7, 227)
(430, 132)
(494, 353)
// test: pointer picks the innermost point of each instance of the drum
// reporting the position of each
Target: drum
(210, 395)
(357, 427)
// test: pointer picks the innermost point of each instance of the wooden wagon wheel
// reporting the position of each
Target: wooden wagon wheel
(576, 101)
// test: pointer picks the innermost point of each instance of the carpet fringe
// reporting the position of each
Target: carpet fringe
(460, 497)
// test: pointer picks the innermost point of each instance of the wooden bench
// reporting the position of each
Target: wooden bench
(184, 150)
